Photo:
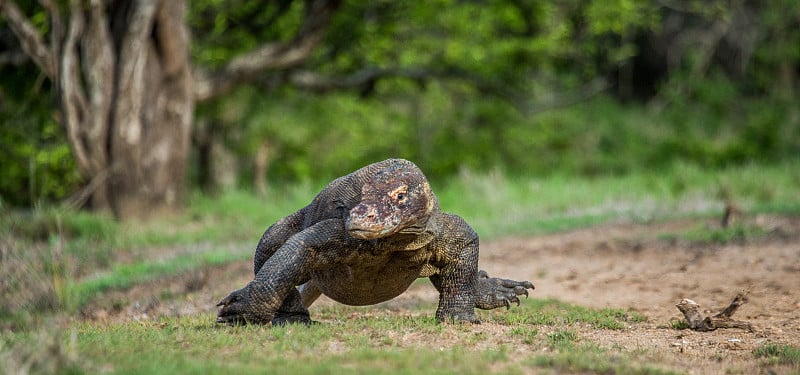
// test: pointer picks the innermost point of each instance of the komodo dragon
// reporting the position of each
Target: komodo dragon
(363, 240)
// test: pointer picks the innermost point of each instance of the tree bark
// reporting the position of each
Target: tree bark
(153, 112)
(126, 90)
(122, 76)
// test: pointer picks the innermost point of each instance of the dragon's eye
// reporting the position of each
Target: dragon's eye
(401, 197)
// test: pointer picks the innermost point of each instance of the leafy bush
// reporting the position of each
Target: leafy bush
(37, 164)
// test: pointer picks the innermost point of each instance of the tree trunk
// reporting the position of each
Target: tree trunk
(126, 89)
(152, 111)
(124, 85)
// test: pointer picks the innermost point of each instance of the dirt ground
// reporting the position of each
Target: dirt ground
(633, 266)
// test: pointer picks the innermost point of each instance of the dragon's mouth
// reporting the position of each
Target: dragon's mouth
(364, 234)
(368, 234)
(369, 231)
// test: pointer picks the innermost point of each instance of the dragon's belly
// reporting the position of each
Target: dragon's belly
(372, 279)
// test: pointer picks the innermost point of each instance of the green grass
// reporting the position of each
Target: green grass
(198, 345)
(678, 324)
(562, 339)
(779, 354)
(498, 205)
(552, 312)
(350, 339)
(126, 275)
(237, 215)
(706, 235)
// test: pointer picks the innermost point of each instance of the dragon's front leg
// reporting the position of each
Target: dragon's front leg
(493, 292)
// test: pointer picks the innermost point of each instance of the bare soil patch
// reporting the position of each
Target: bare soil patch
(633, 266)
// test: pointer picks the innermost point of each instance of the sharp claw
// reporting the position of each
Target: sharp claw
(519, 290)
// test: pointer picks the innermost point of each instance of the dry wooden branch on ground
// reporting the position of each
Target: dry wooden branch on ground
(691, 310)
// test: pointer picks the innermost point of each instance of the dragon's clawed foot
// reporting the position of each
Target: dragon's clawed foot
(239, 307)
(493, 292)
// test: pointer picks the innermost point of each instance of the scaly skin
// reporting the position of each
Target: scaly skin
(363, 240)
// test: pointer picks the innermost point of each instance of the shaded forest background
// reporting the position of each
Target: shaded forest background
(530, 87)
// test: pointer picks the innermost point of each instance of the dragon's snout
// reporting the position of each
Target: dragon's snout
(368, 223)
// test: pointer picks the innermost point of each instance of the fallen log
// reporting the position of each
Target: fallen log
(691, 311)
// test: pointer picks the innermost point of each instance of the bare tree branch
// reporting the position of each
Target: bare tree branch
(271, 56)
(98, 58)
(73, 97)
(32, 42)
(696, 321)
(56, 30)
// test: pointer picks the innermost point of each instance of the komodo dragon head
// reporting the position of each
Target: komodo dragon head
(395, 199)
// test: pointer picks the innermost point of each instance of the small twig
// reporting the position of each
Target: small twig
(691, 311)
(80, 197)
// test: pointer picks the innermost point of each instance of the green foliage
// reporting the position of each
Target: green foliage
(223, 29)
(678, 324)
(339, 133)
(37, 165)
(779, 354)
(495, 85)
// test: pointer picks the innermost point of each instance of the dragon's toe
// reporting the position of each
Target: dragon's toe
(495, 292)
(520, 290)
(238, 308)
